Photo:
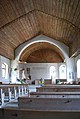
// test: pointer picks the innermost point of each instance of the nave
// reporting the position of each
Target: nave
(39, 59)
(37, 104)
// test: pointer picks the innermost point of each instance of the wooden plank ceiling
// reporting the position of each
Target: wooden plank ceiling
(42, 53)
(21, 20)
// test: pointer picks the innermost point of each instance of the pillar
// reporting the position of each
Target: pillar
(71, 67)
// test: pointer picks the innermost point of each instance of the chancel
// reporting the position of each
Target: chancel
(40, 59)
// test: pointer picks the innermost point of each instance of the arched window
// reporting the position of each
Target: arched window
(78, 68)
(62, 71)
(53, 72)
(3, 70)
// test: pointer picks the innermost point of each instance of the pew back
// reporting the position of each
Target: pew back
(38, 114)
(55, 94)
(59, 88)
(49, 103)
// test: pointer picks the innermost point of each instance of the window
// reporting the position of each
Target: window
(3, 70)
(62, 71)
(78, 68)
(53, 72)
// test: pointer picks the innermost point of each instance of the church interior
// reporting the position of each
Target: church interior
(39, 59)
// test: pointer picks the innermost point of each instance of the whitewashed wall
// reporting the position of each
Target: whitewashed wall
(76, 59)
(40, 70)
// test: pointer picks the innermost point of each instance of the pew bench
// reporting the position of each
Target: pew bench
(38, 114)
(59, 88)
(48, 103)
(55, 94)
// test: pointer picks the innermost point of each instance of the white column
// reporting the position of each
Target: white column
(15, 92)
(25, 90)
(2, 97)
(70, 69)
(28, 93)
(9, 94)
(22, 89)
(19, 91)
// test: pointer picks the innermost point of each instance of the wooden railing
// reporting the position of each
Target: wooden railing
(8, 92)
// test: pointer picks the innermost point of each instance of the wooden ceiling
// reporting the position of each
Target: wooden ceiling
(21, 20)
(42, 53)
(44, 56)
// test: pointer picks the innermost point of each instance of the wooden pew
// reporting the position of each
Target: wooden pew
(58, 81)
(59, 88)
(55, 94)
(30, 103)
(38, 114)
(47, 81)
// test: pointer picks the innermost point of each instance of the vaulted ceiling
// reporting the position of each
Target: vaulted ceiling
(21, 20)
(42, 53)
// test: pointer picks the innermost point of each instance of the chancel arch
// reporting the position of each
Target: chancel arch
(42, 38)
